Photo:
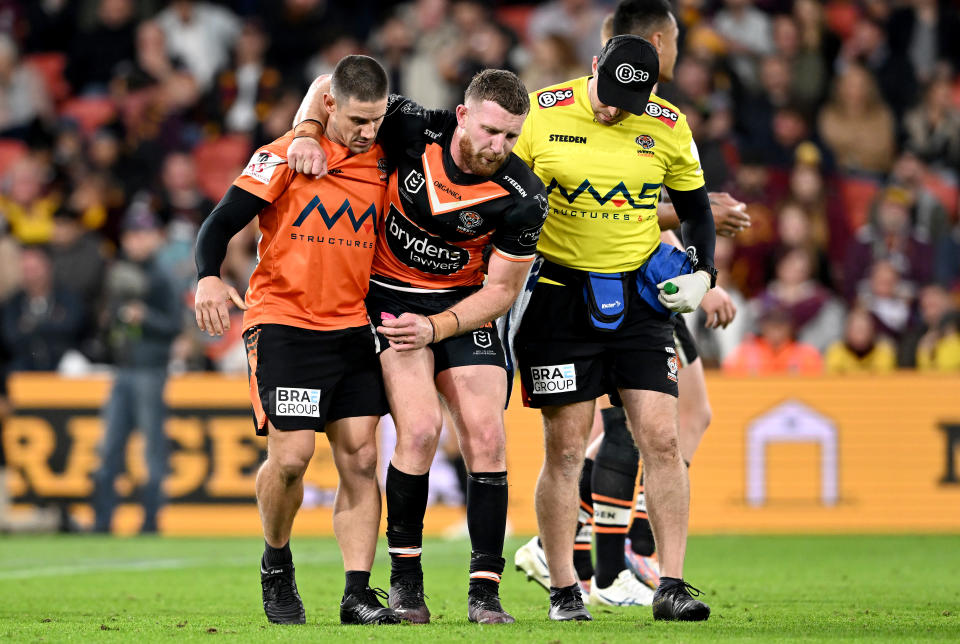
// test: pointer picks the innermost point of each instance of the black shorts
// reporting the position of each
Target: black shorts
(479, 347)
(303, 379)
(562, 359)
(686, 346)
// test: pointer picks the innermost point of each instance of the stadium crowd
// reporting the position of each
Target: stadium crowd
(837, 122)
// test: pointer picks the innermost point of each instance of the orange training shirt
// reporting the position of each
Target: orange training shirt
(317, 237)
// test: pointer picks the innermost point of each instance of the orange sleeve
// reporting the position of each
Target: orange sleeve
(267, 174)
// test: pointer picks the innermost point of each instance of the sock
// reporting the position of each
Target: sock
(641, 536)
(461, 468)
(357, 581)
(406, 505)
(614, 474)
(276, 557)
(583, 542)
(666, 582)
(487, 522)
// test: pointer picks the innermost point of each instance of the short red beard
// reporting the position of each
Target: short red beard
(474, 162)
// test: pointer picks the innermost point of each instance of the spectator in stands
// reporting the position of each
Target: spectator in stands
(939, 350)
(933, 128)
(808, 68)
(815, 314)
(947, 267)
(25, 204)
(181, 208)
(23, 96)
(298, 29)
(856, 125)
(96, 52)
(579, 21)
(890, 68)
(151, 65)
(888, 237)
(436, 37)
(10, 261)
(888, 297)
(774, 350)
(928, 31)
(392, 45)
(201, 34)
(244, 92)
(41, 321)
(754, 245)
(814, 189)
(483, 44)
(797, 229)
(748, 35)
(78, 260)
(860, 350)
(756, 111)
(815, 36)
(553, 59)
(930, 220)
(144, 316)
(934, 306)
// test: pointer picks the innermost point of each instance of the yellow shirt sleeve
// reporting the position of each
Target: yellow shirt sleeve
(524, 146)
(685, 172)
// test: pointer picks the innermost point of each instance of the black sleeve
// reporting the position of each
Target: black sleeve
(407, 122)
(517, 236)
(697, 229)
(237, 209)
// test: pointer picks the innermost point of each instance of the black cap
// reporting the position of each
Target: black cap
(627, 70)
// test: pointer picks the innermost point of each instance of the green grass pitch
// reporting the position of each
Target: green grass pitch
(765, 589)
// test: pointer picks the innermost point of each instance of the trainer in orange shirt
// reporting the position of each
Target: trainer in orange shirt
(312, 354)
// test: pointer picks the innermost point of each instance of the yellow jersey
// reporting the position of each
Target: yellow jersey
(603, 181)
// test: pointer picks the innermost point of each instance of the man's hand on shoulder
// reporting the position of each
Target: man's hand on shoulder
(211, 304)
(306, 156)
(729, 214)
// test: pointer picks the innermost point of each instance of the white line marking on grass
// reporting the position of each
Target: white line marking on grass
(142, 564)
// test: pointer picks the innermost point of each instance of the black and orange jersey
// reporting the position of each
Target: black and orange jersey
(439, 222)
(317, 237)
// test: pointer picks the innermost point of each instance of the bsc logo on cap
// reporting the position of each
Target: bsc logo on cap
(627, 73)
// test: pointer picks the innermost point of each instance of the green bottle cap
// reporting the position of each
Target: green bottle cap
(670, 288)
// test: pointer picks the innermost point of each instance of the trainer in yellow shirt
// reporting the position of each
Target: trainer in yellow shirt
(598, 319)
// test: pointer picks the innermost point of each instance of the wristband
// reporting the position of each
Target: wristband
(445, 324)
(309, 127)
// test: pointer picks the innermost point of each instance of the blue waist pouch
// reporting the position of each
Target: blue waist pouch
(666, 262)
(606, 297)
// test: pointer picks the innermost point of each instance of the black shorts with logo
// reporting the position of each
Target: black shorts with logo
(303, 379)
(563, 359)
(686, 346)
(479, 347)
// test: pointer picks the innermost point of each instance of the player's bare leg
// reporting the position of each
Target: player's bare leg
(356, 510)
(356, 517)
(279, 495)
(280, 482)
(694, 418)
(653, 421)
(693, 408)
(415, 406)
(476, 395)
(566, 429)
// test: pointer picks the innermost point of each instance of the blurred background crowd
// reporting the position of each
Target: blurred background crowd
(837, 122)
